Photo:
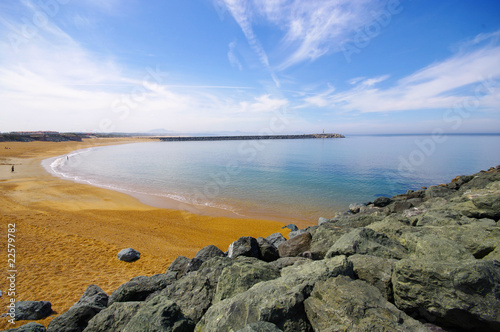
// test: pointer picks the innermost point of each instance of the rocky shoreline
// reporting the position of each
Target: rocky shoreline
(427, 260)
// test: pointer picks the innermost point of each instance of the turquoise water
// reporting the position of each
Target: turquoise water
(291, 179)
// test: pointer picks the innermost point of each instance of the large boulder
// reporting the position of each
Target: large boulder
(202, 256)
(366, 241)
(128, 255)
(32, 310)
(295, 246)
(178, 266)
(276, 239)
(139, 288)
(242, 275)
(324, 237)
(93, 301)
(268, 252)
(113, 318)
(376, 271)
(344, 304)
(159, 314)
(382, 201)
(279, 301)
(244, 246)
(434, 248)
(461, 294)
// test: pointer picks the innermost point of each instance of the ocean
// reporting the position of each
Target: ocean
(301, 179)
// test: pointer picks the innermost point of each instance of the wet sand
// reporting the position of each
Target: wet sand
(68, 234)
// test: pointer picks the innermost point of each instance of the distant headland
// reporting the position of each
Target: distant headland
(247, 137)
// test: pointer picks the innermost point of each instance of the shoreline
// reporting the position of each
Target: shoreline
(68, 234)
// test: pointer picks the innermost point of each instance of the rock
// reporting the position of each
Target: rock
(295, 246)
(139, 288)
(30, 327)
(324, 237)
(113, 318)
(322, 221)
(361, 219)
(438, 191)
(159, 314)
(382, 201)
(376, 271)
(208, 252)
(441, 217)
(295, 233)
(128, 255)
(434, 248)
(343, 304)
(194, 292)
(178, 266)
(276, 239)
(260, 327)
(32, 310)
(242, 275)
(244, 246)
(288, 261)
(193, 265)
(77, 317)
(268, 252)
(291, 227)
(367, 242)
(401, 206)
(355, 207)
(462, 294)
(278, 301)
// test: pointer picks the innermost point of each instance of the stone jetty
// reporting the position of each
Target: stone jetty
(250, 137)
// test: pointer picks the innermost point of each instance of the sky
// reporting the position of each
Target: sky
(250, 66)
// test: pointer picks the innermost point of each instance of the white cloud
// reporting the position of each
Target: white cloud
(233, 58)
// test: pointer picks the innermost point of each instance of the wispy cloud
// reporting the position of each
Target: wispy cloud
(438, 86)
(233, 58)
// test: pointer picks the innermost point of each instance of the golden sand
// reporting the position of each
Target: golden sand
(68, 234)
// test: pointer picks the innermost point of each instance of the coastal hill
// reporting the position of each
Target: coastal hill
(426, 260)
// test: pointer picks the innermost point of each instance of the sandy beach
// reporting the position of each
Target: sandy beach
(68, 234)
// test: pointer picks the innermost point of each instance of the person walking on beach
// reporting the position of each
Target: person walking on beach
(12, 168)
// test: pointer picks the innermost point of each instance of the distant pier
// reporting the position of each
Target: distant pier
(250, 137)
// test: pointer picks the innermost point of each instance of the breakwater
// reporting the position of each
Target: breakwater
(247, 137)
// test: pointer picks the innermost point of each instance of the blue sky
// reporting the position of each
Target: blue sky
(261, 66)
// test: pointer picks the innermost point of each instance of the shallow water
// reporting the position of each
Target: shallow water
(281, 179)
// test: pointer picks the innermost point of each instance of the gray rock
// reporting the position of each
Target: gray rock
(244, 246)
(344, 304)
(462, 294)
(288, 261)
(401, 206)
(276, 239)
(193, 265)
(242, 275)
(361, 219)
(178, 266)
(295, 246)
(268, 252)
(291, 227)
(279, 301)
(32, 310)
(76, 319)
(442, 217)
(356, 207)
(128, 255)
(434, 248)
(367, 242)
(30, 327)
(260, 327)
(376, 271)
(194, 292)
(322, 221)
(324, 237)
(208, 252)
(139, 288)
(295, 233)
(113, 318)
(438, 191)
(159, 314)
(382, 201)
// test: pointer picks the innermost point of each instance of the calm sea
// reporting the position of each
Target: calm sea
(281, 179)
